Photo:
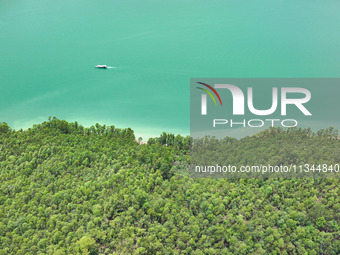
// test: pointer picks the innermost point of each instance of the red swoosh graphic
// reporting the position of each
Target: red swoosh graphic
(213, 90)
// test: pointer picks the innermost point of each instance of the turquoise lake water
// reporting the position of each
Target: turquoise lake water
(48, 50)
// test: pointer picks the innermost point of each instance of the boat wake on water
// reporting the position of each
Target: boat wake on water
(104, 67)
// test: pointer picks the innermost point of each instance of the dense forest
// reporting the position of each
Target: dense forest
(67, 189)
(312, 154)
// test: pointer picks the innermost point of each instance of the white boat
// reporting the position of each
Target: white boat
(101, 66)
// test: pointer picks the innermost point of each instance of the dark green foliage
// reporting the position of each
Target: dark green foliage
(66, 189)
(4, 128)
(274, 146)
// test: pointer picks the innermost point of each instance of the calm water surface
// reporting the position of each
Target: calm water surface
(48, 50)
